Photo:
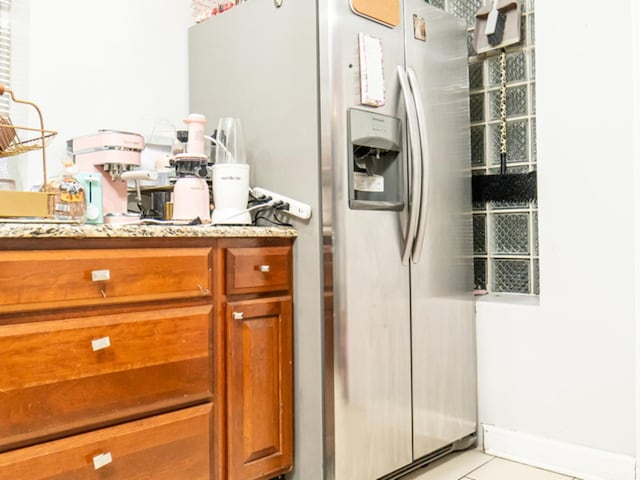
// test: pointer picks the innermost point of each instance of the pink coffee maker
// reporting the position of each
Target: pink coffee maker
(114, 155)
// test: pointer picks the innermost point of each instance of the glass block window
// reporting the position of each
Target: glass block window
(505, 242)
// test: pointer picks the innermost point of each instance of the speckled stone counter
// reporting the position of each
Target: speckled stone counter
(65, 230)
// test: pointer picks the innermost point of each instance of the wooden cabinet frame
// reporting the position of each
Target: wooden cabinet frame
(250, 394)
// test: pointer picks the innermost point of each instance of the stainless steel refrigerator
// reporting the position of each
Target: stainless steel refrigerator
(384, 321)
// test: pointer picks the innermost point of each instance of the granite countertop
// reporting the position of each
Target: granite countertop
(67, 230)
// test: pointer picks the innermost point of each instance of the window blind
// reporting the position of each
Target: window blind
(5, 51)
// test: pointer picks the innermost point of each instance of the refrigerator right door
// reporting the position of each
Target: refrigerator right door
(443, 334)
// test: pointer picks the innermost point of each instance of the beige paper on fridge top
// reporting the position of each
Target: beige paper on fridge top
(383, 11)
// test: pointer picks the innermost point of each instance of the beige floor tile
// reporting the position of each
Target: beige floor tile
(499, 469)
(452, 467)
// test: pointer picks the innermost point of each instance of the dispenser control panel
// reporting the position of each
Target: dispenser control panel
(375, 161)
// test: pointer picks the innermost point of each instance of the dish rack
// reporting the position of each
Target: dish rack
(16, 140)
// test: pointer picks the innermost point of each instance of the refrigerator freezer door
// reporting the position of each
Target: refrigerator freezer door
(443, 347)
(368, 415)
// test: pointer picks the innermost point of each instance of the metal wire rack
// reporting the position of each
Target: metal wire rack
(16, 139)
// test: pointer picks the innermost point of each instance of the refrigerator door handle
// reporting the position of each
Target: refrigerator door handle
(425, 161)
(415, 172)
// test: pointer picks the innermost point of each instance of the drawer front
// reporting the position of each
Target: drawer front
(173, 446)
(68, 375)
(32, 280)
(258, 270)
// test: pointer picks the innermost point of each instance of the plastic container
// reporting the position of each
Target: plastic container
(230, 148)
(69, 200)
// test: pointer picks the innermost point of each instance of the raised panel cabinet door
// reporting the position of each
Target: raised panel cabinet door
(259, 388)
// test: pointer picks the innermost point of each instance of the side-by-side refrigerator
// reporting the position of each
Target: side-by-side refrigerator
(360, 109)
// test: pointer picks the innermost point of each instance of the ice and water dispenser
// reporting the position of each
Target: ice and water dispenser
(375, 161)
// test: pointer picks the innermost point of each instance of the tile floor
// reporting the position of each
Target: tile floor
(475, 465)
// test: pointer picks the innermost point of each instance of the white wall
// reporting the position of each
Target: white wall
(564, 369)
(94, 64)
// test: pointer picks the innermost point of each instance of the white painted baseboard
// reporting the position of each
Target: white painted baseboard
(566, 458)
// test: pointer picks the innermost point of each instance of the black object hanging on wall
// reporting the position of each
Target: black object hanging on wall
(504, 187)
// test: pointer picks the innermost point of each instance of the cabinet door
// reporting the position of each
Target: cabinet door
(259, 388)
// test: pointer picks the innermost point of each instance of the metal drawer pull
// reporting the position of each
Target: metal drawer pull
(100, 343)
(100, 275)
(102, 460)
(238, 315)
(265, 268)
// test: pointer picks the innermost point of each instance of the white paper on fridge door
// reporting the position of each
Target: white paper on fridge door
(371, 71)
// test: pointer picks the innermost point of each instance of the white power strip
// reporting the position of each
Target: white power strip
(295, 208)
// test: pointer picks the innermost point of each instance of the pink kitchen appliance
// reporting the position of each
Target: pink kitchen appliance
(114, 155)
(191, 190)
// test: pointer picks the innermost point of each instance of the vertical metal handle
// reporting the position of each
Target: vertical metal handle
(416, 164)
(238, 315)
(102, 460)
(425, 160)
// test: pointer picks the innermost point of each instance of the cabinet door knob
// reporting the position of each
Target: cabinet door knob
(238, 315)
(100, 343)
(100, 275)
(265, 268)
(101, 460)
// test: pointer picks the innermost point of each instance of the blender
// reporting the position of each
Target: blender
(230, 175)
(191, 192)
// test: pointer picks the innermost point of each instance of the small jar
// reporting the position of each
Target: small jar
(69, 200)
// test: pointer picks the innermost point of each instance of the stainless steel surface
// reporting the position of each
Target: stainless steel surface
(415, 169)
(355, 393)
(444, 386)
(259, 63)
(425, 161)
(370, 376)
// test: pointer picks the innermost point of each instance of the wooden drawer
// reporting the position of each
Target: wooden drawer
(64, 376)
(173, 446)
(258, 270)
(32, 280)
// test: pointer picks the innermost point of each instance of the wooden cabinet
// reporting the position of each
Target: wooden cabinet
(127, 359)
(258, 317)
(259, 395)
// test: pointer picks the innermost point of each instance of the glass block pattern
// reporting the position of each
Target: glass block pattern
(506, 253)
(476, 76)
(516, 69)
(511, 276)
(517, 142)
(465, 9)
(477, 145)
(437, 3)
(480, 234)
(517, 102)
(510, 233)
(476, 106)
(480, 273)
